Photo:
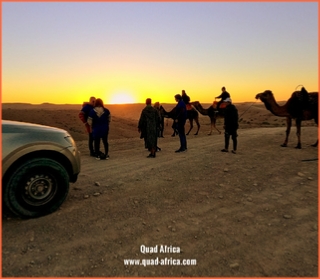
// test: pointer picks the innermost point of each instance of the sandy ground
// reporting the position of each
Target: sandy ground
(251, 214)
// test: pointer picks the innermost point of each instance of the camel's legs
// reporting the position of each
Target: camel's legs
(289, 123)
(213, 126)
(191, 125)
(210, 130)
(175, 131)
(198, 125)
(217, 129)
(316, 121)
(315, 145)
(298, 124)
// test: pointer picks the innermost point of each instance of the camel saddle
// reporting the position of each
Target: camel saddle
(189, 107)
(215, 104)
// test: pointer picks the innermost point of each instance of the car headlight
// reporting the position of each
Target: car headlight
(70, 140)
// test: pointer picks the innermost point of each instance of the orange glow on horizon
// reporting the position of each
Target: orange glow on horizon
(121, 98)
(138, 93)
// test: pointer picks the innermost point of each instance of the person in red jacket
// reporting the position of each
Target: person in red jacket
(83, 115)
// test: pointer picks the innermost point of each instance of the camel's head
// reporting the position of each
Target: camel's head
(264, 96)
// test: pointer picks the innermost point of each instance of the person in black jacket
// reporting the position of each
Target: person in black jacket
(180, 121)
(230, 126)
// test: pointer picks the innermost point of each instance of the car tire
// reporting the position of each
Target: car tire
(36, 188)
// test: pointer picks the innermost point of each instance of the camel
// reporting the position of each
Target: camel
(191, 115)
(211, 113)
(292, 109)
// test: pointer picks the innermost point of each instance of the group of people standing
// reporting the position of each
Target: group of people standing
(96, 119)
(151, 123)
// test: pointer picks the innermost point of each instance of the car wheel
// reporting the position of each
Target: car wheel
(36, 188)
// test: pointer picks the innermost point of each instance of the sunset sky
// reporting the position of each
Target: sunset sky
(61, 52)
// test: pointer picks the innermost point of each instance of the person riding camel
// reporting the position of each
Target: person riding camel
(303, 99)
(224, 95)
(186, 99)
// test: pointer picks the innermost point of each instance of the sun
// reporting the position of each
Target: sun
(121, 98)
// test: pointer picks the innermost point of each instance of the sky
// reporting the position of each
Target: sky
(124, 52)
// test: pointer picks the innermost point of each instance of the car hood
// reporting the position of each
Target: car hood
(21, 127)
(21, 135)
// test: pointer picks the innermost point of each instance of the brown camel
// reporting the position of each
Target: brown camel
(191, 115)
(293, 109)
(211, 113)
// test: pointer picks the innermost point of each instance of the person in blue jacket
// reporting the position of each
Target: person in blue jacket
(99, 121)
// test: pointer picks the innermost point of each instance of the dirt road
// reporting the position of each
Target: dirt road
(250, 214)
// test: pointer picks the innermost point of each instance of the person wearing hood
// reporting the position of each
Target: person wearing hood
(99, 121)
(83, 115)
(148, 126)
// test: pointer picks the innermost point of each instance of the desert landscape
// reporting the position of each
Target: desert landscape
(250, 214)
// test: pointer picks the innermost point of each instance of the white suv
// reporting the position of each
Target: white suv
(38, 162)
